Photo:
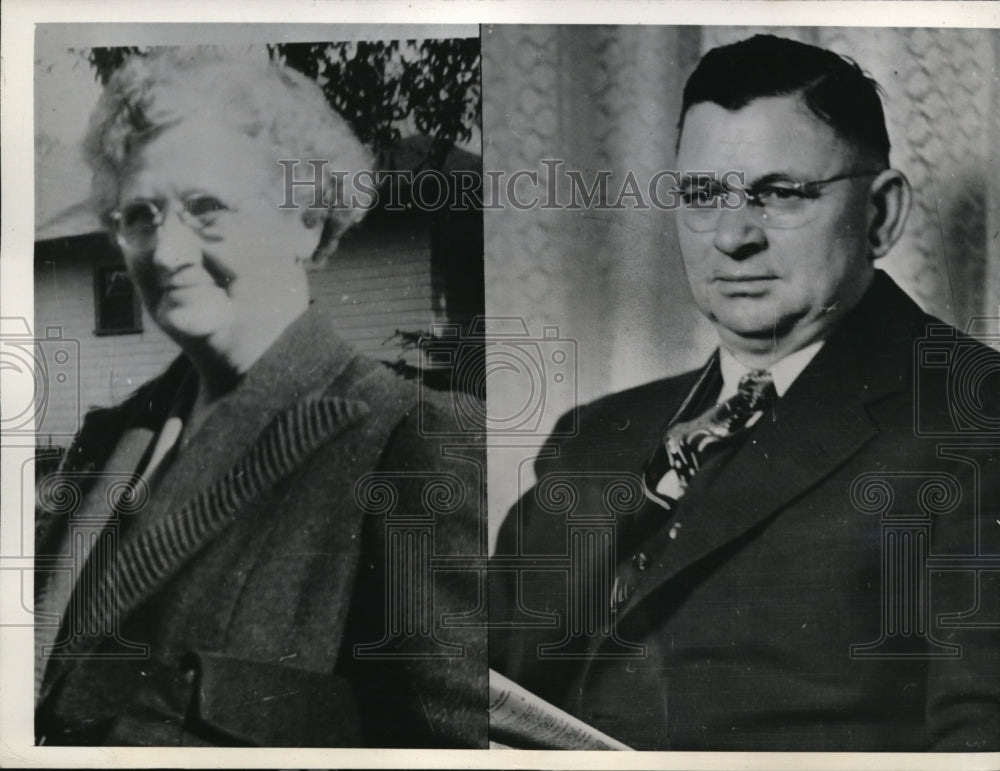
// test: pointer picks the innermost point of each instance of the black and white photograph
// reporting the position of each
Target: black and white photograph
(767, 519)
(483, 385)
(230, 543)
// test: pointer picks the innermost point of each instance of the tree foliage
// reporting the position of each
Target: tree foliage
(380, 88)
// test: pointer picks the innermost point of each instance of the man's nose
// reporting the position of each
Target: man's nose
(739, 234)
(177, 245)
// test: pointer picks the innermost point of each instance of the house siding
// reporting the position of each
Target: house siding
(378, 282)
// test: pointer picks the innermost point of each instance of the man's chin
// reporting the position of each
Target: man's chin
(749, 317)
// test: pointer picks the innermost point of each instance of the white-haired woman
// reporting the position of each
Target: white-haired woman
(242, 589)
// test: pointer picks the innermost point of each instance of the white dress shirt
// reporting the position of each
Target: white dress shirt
(784, 371)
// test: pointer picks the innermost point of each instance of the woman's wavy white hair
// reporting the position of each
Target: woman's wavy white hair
(245, 91)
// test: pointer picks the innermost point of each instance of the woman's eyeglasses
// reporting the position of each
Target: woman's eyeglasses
(137, 223)
(774, 202)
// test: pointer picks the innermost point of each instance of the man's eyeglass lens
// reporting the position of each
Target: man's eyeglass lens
(782, 204)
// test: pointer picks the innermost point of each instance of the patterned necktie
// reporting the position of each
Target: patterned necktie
(688, 445)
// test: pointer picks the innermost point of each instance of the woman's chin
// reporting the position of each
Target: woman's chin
(184, 325)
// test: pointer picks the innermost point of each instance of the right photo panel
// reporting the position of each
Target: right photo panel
(743, 385)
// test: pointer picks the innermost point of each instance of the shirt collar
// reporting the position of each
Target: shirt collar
(784, 371)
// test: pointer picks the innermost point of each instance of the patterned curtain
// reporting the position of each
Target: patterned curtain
(607, 99)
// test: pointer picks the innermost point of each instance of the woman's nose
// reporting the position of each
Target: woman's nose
(176, 245)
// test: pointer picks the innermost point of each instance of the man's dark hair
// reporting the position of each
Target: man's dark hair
(833, 87)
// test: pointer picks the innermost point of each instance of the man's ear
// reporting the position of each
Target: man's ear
(890, 197)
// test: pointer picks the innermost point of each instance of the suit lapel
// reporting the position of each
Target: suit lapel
(300, 365)
(653, 514)
(282, 411)
(99, 440)
(792, 452)
(145, 563)
(819, 423)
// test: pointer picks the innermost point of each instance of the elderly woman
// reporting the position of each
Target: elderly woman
(240, 587)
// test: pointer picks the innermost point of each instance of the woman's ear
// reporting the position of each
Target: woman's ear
(890, 197)
(308, 231)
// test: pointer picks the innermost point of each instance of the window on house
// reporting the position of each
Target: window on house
(116, 303)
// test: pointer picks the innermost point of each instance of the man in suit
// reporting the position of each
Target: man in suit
(777, 551)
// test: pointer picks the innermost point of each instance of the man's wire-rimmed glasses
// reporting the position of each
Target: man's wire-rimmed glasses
(775, 201)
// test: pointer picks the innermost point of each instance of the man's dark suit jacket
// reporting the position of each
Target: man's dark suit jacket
(799, 596)
(261, 560)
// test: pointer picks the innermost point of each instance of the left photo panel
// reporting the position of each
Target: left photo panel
(259, 456)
